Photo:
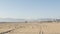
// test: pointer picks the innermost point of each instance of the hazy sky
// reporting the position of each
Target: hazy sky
(30, 9)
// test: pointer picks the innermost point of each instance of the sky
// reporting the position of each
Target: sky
(29, 9)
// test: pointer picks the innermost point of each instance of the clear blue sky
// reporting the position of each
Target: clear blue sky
(30, 9)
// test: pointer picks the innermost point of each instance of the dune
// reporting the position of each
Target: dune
(30, 28)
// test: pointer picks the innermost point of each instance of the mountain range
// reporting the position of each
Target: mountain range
(22, 20)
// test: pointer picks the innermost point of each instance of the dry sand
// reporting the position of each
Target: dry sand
(30, 28)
